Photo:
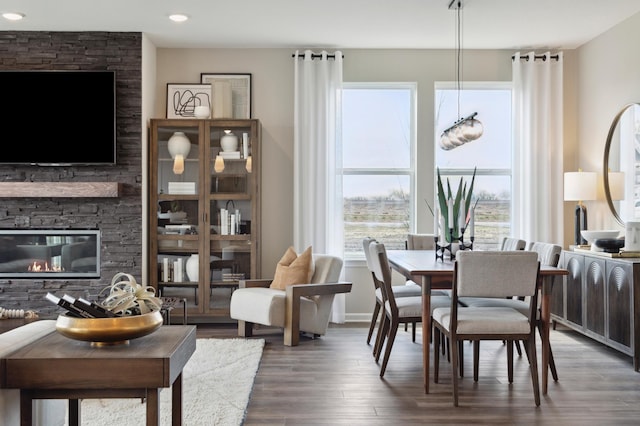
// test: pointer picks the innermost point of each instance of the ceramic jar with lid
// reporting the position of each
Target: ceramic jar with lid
(229, 142)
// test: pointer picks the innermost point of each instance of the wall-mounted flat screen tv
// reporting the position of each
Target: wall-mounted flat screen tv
(58, 118)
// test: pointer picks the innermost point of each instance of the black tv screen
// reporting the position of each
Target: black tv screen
(58, 118)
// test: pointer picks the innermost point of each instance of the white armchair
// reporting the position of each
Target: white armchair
(299, 308)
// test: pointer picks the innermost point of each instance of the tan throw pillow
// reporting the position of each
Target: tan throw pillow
(293, 269)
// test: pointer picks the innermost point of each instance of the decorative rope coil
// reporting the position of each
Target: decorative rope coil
(127, 297)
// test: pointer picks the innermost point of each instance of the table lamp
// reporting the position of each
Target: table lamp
(580, 186)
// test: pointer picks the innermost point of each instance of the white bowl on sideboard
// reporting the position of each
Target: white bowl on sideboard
(592, 235)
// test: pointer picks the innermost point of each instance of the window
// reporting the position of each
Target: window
(491, 154)
(378, 137)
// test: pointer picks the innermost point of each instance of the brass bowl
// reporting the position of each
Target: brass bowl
(109, 331)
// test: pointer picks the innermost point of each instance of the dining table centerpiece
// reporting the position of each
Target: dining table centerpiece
(454, 214)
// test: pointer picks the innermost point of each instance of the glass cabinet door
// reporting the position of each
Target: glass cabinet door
(231, 207)
(177, 184)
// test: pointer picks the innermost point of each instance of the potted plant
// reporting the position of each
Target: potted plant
(462, 199)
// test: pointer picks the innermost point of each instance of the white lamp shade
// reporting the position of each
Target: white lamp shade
(472, 129)
(616, 185)
(178, 147)
(580, 186)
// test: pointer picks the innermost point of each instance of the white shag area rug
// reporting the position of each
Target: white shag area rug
(216, 386)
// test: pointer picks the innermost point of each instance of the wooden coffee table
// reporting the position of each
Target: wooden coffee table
(56, 367)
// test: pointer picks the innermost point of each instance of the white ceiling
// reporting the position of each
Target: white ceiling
(340, 24)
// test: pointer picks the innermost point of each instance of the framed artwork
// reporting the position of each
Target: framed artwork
(240, 94)
(183, 98)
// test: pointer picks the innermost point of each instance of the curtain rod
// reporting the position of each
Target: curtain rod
(543, 57)
(315, 55)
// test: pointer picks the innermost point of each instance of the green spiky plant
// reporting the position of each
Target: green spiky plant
(462, 192)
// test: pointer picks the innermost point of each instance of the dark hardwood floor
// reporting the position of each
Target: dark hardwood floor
(334, 380)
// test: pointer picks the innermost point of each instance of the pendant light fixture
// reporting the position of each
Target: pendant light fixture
(469, 128)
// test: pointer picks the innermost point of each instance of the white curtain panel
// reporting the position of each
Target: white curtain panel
(537, 126)
(317, 201)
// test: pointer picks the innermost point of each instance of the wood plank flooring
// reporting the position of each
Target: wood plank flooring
(334, 380)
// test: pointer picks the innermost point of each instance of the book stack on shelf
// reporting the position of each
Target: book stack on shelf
(232, 276)
(181, 229)
(230, 155)
(188, 188)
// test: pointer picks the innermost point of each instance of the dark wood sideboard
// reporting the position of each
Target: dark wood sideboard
(600, 298)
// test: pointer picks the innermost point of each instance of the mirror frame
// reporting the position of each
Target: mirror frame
(605, 163)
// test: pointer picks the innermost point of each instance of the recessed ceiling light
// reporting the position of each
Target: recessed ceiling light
(178, 17)
(13, 16)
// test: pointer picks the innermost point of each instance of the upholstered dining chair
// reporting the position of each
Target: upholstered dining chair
(395, 310)
(496, 274)
(510, 244)
(420, 242)
(298, 308)
(398, 291)
(549, 255)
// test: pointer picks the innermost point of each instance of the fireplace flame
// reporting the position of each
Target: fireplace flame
(42, 267)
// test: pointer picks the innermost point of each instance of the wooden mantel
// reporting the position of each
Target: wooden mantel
(60, 189)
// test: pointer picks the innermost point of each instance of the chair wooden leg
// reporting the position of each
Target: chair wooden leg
(454, 370)
(374, 320)
(534, 369)
(460, 346)
(413, 332)
(387, 350)
(510, 360)
(383, 330)
(552, 363)
(436, 354)
(245, 328)
(517, 344)
(476, 359)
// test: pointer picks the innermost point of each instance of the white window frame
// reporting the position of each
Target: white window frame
(409, 171)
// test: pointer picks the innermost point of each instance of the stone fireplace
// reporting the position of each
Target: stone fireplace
(118, 218)
(49, 253)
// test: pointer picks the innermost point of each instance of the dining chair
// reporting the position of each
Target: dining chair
(398, 291)
(395, 310)
(548, 255)
(423, 242)
(496, 274)
(420, 242)
(507, 244)
(510, 244)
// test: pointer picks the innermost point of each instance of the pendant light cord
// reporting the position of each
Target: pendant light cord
(458, 53)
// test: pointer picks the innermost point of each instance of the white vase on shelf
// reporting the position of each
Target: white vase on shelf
(229, 142)
(192, 267)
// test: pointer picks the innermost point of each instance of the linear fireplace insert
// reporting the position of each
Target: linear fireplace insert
(49, 253)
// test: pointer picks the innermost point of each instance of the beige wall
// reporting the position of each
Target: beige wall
(609, 78)
(272, 103)
(599, 78)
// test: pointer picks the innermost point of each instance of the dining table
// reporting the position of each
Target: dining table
(422, 267)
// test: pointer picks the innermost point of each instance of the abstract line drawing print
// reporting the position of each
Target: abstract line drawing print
(182, 99)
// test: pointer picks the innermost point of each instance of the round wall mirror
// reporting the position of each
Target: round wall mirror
(621, 166)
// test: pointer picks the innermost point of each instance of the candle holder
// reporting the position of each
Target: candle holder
(463, 245)
(441, 249)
